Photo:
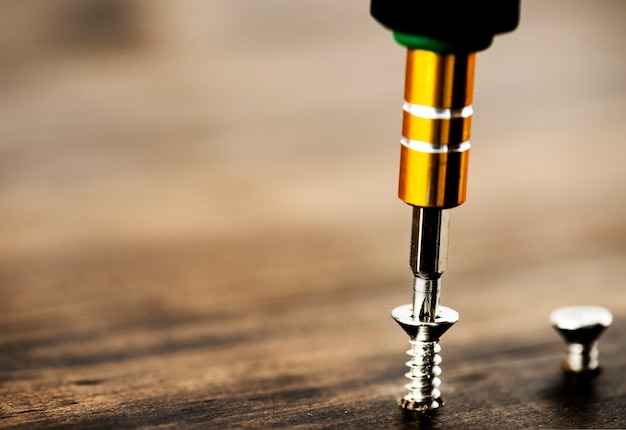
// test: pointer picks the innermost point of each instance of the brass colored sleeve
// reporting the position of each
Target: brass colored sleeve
(439, 80)
(436, 126)
(435, 180)
(436, 131)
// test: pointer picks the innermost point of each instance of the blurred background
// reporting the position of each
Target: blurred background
(168, 158)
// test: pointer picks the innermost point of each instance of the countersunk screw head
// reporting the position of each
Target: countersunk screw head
(581, 327)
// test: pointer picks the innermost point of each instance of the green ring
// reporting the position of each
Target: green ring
(414, 41)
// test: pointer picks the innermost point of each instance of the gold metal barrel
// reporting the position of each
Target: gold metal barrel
(436, 129)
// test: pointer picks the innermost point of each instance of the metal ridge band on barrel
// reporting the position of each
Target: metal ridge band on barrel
(436, 125)
(419, 146)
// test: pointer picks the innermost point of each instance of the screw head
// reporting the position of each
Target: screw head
(581, 326)
(425, 331)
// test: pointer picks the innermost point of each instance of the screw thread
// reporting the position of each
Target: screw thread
(423, 388)
(581, 357)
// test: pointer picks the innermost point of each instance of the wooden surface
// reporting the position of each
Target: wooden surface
(200, 227)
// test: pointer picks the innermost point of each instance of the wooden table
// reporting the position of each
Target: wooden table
(203, 233)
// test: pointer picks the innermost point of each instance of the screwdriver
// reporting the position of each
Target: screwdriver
(442, 38)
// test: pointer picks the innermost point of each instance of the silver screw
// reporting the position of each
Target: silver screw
(423, 366)
(581, 327)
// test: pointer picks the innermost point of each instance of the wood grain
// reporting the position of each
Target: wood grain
(202, 232)
(92, 358)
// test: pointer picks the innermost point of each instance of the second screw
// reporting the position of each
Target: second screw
(581, 326)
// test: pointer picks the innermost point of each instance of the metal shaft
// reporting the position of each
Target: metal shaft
(428, 260)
